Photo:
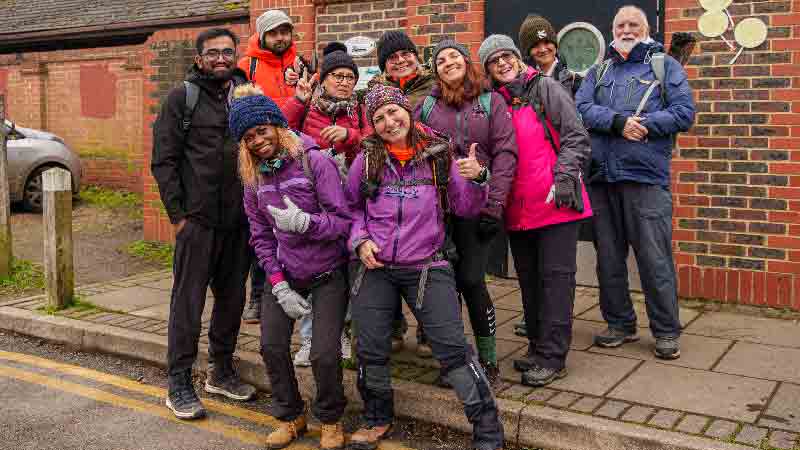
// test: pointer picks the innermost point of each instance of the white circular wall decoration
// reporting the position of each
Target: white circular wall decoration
(582, 45)
(360, 46)
(716, 21)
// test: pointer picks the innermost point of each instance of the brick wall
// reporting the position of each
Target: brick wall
(166, 56)
(50, 90)
(736, 176)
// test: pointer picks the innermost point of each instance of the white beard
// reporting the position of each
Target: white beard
(625, 46)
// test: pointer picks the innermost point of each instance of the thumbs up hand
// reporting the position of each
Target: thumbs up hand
(469, 167)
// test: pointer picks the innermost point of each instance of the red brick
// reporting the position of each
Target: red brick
(697, 282)
(759, 288)
(784, 143)
(720, 285)
(746, 287)
(684, 281)
(708, 284)
(785, 44)
(785, 19)
(732, 293)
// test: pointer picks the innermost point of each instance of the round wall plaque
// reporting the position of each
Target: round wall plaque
(582, 45)
(360, 46)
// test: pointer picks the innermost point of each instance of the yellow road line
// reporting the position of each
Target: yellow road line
(209, 425)
(153, 391)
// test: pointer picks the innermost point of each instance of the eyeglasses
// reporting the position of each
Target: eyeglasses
(397, 56)
(507, 57)
(343, 78)
(214, 54)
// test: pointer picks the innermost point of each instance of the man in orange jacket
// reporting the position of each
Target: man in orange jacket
(271, 59)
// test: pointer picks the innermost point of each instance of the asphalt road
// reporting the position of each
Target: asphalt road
(54, 398)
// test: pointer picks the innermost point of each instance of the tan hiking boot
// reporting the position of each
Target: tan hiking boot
(370, 437)
(332, 437)
(286, 433)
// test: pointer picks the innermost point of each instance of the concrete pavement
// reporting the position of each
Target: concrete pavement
(736, 386)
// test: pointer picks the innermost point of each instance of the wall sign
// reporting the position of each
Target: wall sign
(360, 46)
(716, 21)
(582, 45)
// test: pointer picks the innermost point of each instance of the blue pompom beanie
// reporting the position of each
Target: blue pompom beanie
(251, 111)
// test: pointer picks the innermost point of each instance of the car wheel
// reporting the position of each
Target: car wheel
(32, 197)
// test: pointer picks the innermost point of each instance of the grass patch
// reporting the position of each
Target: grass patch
(25, 276)
(112, 199)
(76, 305)
(157, 252)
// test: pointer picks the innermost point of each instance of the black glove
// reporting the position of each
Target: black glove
(488, 227)
(568, 193)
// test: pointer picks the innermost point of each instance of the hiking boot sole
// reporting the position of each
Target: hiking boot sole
(615, 344)
(184, 415)
(672, 356)
(539, 383)
(363, 445)
(251, 321)
(211, 389)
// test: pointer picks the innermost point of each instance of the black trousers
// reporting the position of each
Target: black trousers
(473, 261)
(545, 262)
(329, 306)
(258, 279)
(639, 216)
(206, 256)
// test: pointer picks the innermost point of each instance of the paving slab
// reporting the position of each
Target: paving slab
(506, 331)
(129, 299)
(612, 409)
(686, 315)
(693, 424)
(161, 311)
(722, 429)
(541, 395)
(782, 440)
(665, 419)
(583, 302)
(697, 352)
(762, 361)
(784, 409)
(563, 399)
(697, 391)
(638, 414)
(583, 332)
(501, 290)
(164, 285)
(751, 435)
(587, 404)
(512, 301)
(742, 327)
(593, 374)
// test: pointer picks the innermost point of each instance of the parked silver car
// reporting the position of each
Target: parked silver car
(31, 152)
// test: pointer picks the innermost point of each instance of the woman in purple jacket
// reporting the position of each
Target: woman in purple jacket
(400, 189)
(299, 223)
(460, 107)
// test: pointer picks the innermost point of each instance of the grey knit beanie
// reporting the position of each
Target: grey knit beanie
(270, 20)
(494, 44)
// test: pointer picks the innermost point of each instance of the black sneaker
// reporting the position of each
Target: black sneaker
(520, 329)
(182, 399)
(611, 337)
(542, 376)
(252, 311)
(525, 363)
(224, 380)
(667, 348)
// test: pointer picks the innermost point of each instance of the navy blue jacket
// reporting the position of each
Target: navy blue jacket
(605, 110)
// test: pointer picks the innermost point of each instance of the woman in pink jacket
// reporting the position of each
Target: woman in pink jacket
(546, 203)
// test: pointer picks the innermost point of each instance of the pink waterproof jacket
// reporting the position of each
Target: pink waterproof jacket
(536, 162)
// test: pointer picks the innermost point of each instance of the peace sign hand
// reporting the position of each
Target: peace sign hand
(469, 167)
(303, 89)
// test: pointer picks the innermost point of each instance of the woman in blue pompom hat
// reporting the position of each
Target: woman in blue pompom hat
(299, 224)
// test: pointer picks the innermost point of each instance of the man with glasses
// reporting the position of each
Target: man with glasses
(271, 60)
(195, 166)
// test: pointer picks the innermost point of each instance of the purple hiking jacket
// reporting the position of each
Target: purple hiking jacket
(405, 223)
(322, 247)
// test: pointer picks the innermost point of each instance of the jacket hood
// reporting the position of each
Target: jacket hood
(640, 52)
(208, 82)
(254, 50)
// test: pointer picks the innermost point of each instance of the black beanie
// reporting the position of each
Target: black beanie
(393, 41)
(335, 56)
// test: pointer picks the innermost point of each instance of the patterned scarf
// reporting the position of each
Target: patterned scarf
(270, 166)
(333, 107)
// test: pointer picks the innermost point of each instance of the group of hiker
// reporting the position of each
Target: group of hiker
(343, 205)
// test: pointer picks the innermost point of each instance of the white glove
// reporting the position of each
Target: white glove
(292, 219)
(293, 304)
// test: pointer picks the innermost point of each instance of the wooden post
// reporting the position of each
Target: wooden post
(57, 216)
(5, 201)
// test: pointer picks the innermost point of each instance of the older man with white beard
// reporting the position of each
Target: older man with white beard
(632, 116)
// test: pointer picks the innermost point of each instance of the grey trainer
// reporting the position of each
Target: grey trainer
(252, 311)
(182, 399)
(612, 337)
(222, 379)
(542, 376)
(667, 348)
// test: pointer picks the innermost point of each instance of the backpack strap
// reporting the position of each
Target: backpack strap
(192, 95)
(307, 168)
(253, 66)
(427, 107)
(535, 100)
(658, 65)
(601, 71)
(485, 100)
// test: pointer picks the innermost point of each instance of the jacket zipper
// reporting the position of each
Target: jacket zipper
(399, 219)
